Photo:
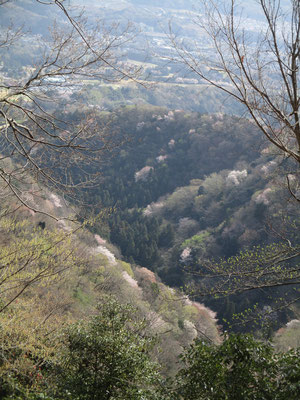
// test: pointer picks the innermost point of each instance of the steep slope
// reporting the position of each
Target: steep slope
(57, 272)
(187, 187)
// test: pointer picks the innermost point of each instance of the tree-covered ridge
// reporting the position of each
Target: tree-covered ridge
(183, 196)
(178, 200)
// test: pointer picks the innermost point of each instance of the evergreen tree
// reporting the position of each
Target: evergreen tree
(107, 357)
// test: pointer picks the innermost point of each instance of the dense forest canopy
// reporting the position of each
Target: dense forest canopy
(149, 223)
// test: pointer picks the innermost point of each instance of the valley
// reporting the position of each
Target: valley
(149, 203)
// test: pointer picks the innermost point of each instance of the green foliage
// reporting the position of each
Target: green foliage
(190, 311)
(261, 267)
(240, 368)
(166, 236)
(127, 268)
(32, 256)
(137, 236)
(181, 200)
(81, 296)
(107, 357)
(196, 241)
(214, 184)
(288, 337)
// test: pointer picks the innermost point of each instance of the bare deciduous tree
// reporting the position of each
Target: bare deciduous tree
(258, 69)
(43, 142)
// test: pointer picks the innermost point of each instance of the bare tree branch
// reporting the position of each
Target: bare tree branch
(35, 129)
(265, 78)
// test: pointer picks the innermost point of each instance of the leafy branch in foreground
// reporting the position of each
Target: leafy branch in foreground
(107, 357)
(260, 268)
(240, 368)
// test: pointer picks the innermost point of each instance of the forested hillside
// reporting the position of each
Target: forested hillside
(168, 202)
(149, 200)
(68, 273)
(177, 201)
